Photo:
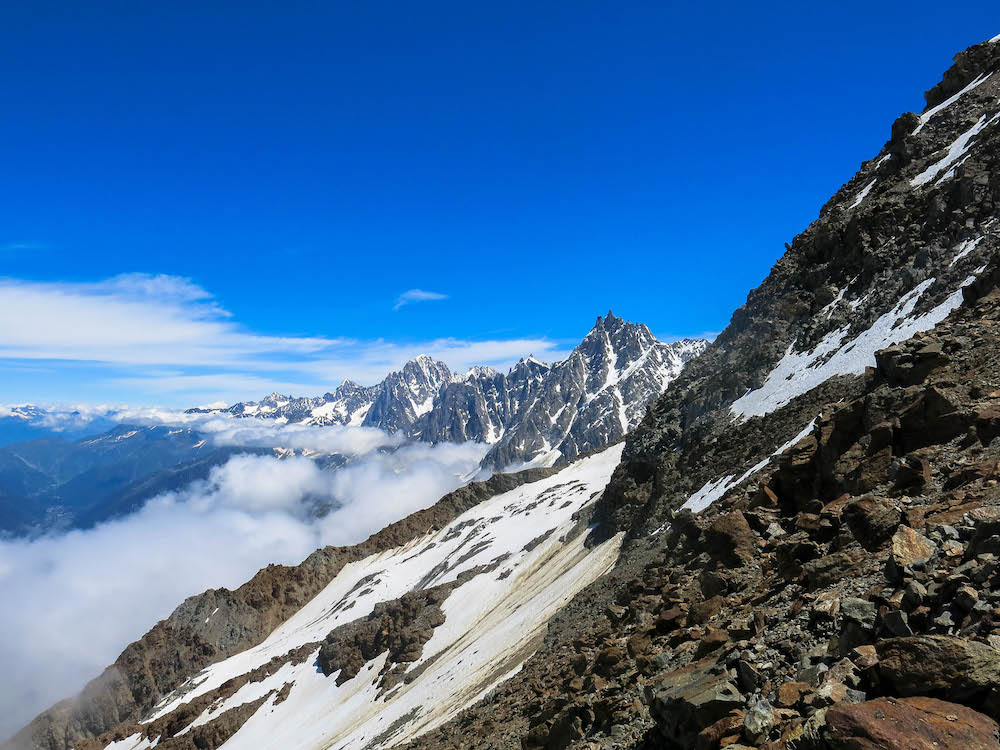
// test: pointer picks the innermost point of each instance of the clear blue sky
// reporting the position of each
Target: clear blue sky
(538, 163)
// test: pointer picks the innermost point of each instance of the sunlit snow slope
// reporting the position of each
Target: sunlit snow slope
(524, 557)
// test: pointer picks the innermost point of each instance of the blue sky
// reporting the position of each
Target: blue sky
(250, 189)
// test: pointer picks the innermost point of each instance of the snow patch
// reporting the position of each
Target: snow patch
(494, 621)
(134, 742)
(964, 249)
(799, 372)
(953, 159)
(863, 194)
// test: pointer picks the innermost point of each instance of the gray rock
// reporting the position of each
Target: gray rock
(687, 700)
(758, 721)
(858, 610)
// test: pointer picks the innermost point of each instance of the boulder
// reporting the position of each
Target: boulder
(910, 548)
(758, 721)
(872, 520)
(907, 724)
(686, 700)
(791, 693)
(731, 539)
(859, 610)
(939, 665)
(727, 728)
(714, 638)
(703, 611)
(829, 569)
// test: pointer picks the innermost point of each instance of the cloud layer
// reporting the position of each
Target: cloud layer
(159, 334)
(72, 602)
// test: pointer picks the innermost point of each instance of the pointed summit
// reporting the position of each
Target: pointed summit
(608, 322)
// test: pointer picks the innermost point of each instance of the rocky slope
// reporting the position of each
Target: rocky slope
(800, 542)
(535, 414)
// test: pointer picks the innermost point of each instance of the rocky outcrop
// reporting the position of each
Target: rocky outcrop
(847, 622)
(399, 628)
(910, 242)
(940, 665)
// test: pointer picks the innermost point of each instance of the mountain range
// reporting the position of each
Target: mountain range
(795, 549)
(535, 414)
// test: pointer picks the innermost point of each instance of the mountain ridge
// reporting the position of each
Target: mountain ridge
(517, 412)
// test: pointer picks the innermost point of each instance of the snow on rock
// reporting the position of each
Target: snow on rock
(863, 194)
(493, 621)
(964, 249)
(713, 491)
(133, 742)
(954, 157)
(926, 116)
(595, 396)
(798, 372)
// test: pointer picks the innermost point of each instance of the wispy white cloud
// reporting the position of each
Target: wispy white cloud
(132, 319)
(166, 335)
(416, 295)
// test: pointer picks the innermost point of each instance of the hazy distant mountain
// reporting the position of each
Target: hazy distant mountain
(54, 483)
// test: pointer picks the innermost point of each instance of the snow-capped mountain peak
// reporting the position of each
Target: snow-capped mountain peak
(595, 396)
(587, 401)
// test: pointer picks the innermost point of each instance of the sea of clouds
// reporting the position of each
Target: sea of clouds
(72, 601)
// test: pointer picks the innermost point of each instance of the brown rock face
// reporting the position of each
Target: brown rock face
(908, 724)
